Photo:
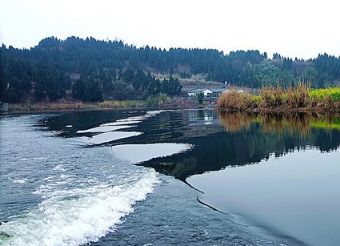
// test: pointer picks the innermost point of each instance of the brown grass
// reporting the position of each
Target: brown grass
(275, 99)
(234, 101)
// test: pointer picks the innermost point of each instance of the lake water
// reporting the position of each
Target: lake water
(186, 177)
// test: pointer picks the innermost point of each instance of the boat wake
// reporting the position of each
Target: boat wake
(77, 216)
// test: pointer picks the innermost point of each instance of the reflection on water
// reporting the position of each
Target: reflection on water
(219, 140)
(295, 122)
(245, 139)
(294, 181)
(295, 195)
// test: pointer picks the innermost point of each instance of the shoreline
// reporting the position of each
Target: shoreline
(78, 107)
(81, 106)
(281, 110)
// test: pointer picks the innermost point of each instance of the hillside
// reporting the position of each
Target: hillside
(91, 70)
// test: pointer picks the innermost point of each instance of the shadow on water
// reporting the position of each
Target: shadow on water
(283, 202)
(68, 123)
(295, 195)
(247, 139)
(230, 139)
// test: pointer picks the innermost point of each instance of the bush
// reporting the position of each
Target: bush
(322, 94)
(234, 101)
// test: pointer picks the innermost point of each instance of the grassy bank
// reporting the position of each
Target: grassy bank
(300, 99)
(65, 106)
(159, 101)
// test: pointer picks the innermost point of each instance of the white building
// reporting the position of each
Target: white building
(206, 92)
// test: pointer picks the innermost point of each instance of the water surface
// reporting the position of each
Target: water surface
(127, 178)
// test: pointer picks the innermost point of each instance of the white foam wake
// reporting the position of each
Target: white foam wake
(122, 123)
(108, 132)
(78, 216)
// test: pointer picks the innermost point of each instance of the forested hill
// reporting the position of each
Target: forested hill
(90, 70)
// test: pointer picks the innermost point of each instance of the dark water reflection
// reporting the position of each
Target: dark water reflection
(295, 194)
(294, 188)
(248, 139)
(288, 190)
(219, 140)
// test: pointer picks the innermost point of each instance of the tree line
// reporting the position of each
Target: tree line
(90, 70)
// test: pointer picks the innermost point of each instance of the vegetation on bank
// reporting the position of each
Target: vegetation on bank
(94, 70)
(157, 101)
(299, 98)
(65, 106)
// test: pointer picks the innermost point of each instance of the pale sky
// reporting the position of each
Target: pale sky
(295, 28)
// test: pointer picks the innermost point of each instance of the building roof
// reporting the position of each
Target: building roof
(199, 90)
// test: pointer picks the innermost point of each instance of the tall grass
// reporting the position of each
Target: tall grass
(234, 100)
(299, 98)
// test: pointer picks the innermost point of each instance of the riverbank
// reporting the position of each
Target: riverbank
(270, 99)
(107, 104)
(70, 106)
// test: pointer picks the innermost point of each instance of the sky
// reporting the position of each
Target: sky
(294, 28)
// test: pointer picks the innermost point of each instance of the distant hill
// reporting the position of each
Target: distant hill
(90, 70)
